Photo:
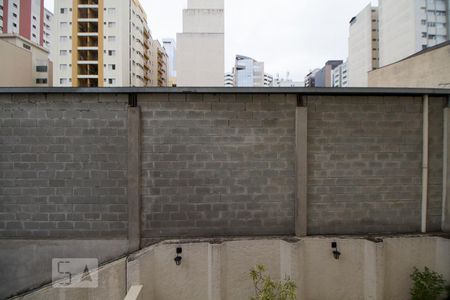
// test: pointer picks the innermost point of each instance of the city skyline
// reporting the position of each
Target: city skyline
(279, 43)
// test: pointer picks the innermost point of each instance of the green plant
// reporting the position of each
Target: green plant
(268, 289)
(427, 285)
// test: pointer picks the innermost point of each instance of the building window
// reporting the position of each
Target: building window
(14, 5)
(41, 81)
(111, 81)
(111, 39)
(111, 24)
(112, 67)
(63, 81)
(26, 46)
(63, 67)
(63, 10)
(14, 25)
(112, 52)
(41, 69)
(111, 11)
(14, 15)
(63, 52)
(63, 39)
(34, 35)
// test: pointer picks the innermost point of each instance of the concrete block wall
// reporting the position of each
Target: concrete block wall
(364, 164)
(217, 165)
(63, 166)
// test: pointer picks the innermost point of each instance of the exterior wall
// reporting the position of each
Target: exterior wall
(27, 264)
(217, 166)
(111, 281)
(16, 64)
(220, 270)
(64, 167)
(360, 146)
(429, 69)
(39, 68)
(407, 27)
(201, 57)
(362, 58)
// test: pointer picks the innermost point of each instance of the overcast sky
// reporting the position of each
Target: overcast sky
(288, 35)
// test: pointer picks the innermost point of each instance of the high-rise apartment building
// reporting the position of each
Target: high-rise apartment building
(159, 65)
(101, 43)
(409, 26)
(200, 48)
(268, 80)
(363, 47)
(26, 18)
(171, 50)
(248, 72)
(340, 75)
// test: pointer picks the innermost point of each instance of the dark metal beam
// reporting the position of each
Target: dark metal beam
(224, 90)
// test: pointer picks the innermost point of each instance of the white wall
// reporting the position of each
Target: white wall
(201, 46)
(360, 46)
(397, 30)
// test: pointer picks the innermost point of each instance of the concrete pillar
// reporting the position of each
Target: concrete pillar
(134, 170)
(214, 269)
(446, 176)
(301, 134)
(425, 158)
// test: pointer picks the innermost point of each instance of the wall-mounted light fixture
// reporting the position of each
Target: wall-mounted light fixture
(336, 252)
(178, 258)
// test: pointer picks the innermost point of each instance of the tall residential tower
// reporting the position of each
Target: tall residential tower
(101, 43)
(200, 48)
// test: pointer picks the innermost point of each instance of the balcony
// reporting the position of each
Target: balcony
(87, 55)
(87, 42)
(88, 27)
(88, 13)
(87, 82)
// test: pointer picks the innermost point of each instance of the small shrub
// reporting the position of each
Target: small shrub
(267, 289)
(427, 285)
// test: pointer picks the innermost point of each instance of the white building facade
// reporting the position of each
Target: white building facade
(171, 50)
(248, 72)
(101, 43)
(363, 47)
(409, 26)
(201, 46)
(340, 76)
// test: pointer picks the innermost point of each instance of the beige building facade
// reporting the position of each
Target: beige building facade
(427, 69)
(200, 48)
(23, 63)
(159, 65)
